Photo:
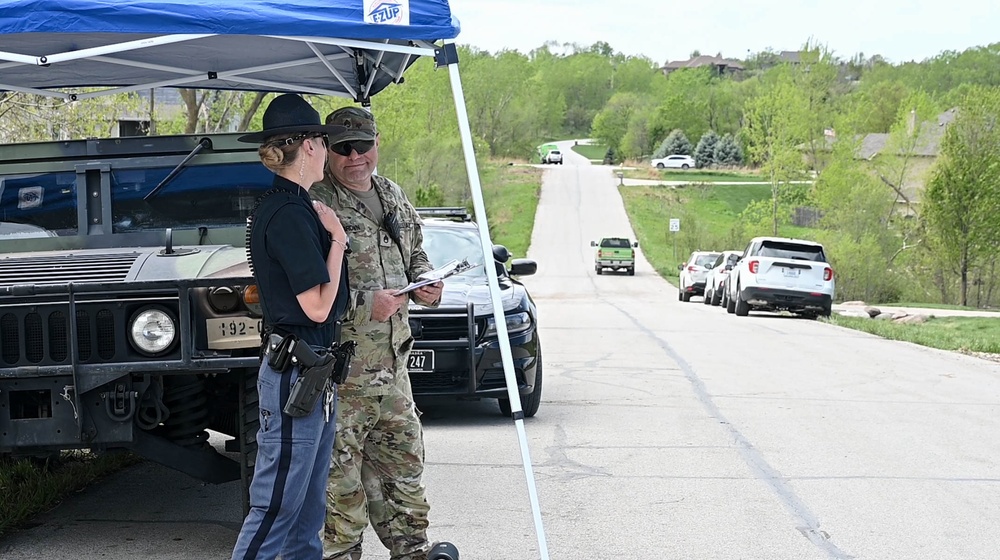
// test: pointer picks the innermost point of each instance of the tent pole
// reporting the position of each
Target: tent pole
(451, 59)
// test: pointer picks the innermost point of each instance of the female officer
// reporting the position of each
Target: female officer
(296, 247)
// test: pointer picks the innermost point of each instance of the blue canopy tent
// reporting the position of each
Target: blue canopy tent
(79, 49)
(310, 46)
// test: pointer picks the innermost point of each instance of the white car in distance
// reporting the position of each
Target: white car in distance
(675, 161)
(715, 280)
(553, 156)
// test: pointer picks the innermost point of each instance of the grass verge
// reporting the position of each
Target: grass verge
(707, 176)
(961, 334)
(939, 306)
(709, 216)
(642, 170)
(591, 151)
(29, 486)
(510, 193)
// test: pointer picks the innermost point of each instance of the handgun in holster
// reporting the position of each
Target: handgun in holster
(344, 352)
(317, 370)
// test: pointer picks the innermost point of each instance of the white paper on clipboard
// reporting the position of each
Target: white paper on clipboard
(450, 269)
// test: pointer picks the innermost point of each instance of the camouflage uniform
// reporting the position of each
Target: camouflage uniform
(378, 455)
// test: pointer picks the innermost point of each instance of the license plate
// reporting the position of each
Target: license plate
(790, 272)
(421, 361)
(227, 333)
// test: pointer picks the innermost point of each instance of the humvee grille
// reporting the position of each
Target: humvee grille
(60, 269)
(42, 337)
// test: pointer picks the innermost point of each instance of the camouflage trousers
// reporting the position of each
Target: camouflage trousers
(378, 463)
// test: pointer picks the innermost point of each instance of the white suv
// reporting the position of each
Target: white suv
(554, 156)
(693, 272)
(779, 273)
(675, 161)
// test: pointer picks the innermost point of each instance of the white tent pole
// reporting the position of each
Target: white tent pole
(498, 312)
(357, 44)
(117, 48)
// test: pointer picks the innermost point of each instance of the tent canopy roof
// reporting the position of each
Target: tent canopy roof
(350, 48)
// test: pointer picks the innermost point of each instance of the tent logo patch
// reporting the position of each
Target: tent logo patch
(387, 12)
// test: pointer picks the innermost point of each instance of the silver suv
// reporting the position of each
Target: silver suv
(693, 274)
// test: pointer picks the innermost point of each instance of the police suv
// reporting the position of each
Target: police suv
(781, 274)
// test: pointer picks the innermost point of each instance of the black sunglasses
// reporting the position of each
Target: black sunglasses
(345, 148)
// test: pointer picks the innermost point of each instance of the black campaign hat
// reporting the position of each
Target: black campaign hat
(288, 114)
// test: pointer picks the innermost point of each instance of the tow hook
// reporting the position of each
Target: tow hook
(120, 404)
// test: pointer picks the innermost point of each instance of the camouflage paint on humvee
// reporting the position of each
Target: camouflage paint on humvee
(128, 316)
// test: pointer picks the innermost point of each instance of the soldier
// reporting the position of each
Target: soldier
(296, 246)
(379, 441)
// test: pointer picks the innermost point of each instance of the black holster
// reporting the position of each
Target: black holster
(317, 369)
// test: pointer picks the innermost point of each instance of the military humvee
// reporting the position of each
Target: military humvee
(129, 317)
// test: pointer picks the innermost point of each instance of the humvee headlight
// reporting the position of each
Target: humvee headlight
(153, 330)
(516, 323)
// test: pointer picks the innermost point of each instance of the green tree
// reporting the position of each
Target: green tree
(704, 152)
(775, 127)
(728, 152)
(915, 124)
(28, 117)
(612, 122)
(500, 106)
(674, 143)
(816, 79)
(875, 105)
(857, 218)
(962, 202)
(683, 103)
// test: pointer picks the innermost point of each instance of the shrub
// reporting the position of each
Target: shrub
(704, 153)
(675, 143)
(728, 152)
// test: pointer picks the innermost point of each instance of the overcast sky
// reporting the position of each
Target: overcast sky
(899, 30)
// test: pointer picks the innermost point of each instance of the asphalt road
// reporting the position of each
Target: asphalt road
(667, 430)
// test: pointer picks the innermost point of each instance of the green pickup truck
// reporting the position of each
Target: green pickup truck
(616, 253)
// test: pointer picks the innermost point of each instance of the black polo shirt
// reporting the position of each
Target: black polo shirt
(288, 248)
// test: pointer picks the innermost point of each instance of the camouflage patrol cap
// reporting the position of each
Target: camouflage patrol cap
(360, 124)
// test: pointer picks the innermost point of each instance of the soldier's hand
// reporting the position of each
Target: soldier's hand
(385, 305)
(429, 294)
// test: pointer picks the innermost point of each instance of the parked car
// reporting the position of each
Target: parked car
(553, 156)
(616, 253)
(456, 351)
(675, 161)
(716, 277)
(693, 272)
(781, 274)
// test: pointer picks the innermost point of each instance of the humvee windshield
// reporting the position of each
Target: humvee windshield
(199, 196)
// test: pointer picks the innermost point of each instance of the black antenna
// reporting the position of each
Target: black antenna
(203, 143)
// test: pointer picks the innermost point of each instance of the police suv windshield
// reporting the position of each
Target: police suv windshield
(446, 244)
